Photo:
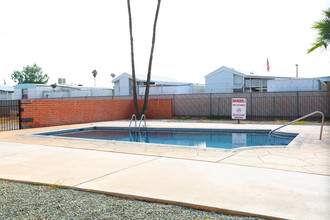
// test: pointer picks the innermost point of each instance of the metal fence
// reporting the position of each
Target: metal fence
(9, 115)
(260, 106)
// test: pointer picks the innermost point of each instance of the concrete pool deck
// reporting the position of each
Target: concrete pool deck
(290, 183)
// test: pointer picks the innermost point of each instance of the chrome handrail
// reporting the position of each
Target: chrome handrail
(133, 116)
(141, 135)
(313, 113)
(130, 135)
(145, 121)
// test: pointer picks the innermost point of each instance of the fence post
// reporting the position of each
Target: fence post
(19, 114)
(210, 104)
(274, 108)
(251, 105)
(2, 119)
(173, 105)
(297, 105)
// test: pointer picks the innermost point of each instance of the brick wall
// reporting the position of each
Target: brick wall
(50, 112)
(158, 108)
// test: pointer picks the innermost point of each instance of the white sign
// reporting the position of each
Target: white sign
(238, 108)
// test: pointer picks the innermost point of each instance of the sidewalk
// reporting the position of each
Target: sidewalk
(225, 186)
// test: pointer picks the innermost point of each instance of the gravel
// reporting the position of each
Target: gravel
(29, 201)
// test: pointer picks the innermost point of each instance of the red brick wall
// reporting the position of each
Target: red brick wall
(158, 108)
(50, 112)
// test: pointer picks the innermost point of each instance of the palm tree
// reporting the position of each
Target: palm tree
(323, 29)
(136, 107)
(146, 96)
(94, 75)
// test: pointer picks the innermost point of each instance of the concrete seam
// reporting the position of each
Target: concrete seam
(226, 157)
(14, 154)
(116, 171)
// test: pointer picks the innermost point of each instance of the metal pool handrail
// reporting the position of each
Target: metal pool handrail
(313, 113)
(145, 121)
(133, 117)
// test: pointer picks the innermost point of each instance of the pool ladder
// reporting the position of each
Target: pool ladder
(134, 118)
(313, 113)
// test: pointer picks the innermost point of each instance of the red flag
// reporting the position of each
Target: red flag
(267, 65)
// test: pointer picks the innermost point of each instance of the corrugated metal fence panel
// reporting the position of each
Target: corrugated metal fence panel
(221, 106)
(259, 105)
(9, 115)
(285, 106)
(317, 102)
(193, 105)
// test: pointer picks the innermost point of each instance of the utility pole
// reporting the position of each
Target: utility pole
(297, 70)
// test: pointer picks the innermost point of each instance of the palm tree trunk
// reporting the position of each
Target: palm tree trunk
(146, 96)
(136, 107)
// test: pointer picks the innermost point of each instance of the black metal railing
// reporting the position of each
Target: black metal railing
(9, 115)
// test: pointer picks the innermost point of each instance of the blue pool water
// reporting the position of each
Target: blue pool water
(227, 139)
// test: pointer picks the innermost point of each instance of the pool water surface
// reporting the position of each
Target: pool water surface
(204, 138)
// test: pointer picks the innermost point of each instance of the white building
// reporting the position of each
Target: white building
(226, 80)
(295, 85)
(6, 93)
(42, 91)
(326, 80)
(123, 86)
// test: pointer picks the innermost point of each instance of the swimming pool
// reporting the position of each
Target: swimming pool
(202, 138)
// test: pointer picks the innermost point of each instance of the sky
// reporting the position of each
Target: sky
(70, 38)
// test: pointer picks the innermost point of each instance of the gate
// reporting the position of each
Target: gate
(9, 115)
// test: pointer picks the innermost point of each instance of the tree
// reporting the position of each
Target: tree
(146, 95)
(94, 75)
(136, 107)
(30, 74)
(323, 29)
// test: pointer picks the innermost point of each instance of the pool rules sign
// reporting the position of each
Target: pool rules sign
(238, 108)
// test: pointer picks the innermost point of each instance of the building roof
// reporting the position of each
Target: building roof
(324, 78)
(83, 87)
(143, 78)
(126, 75)
(174, 84)
(224, 69)
(262, 77)
(7, 88)
(159, 79)
(121, 76)
(29, 86)
(247, 76)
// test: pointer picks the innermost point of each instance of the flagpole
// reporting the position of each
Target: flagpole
(267, 66)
